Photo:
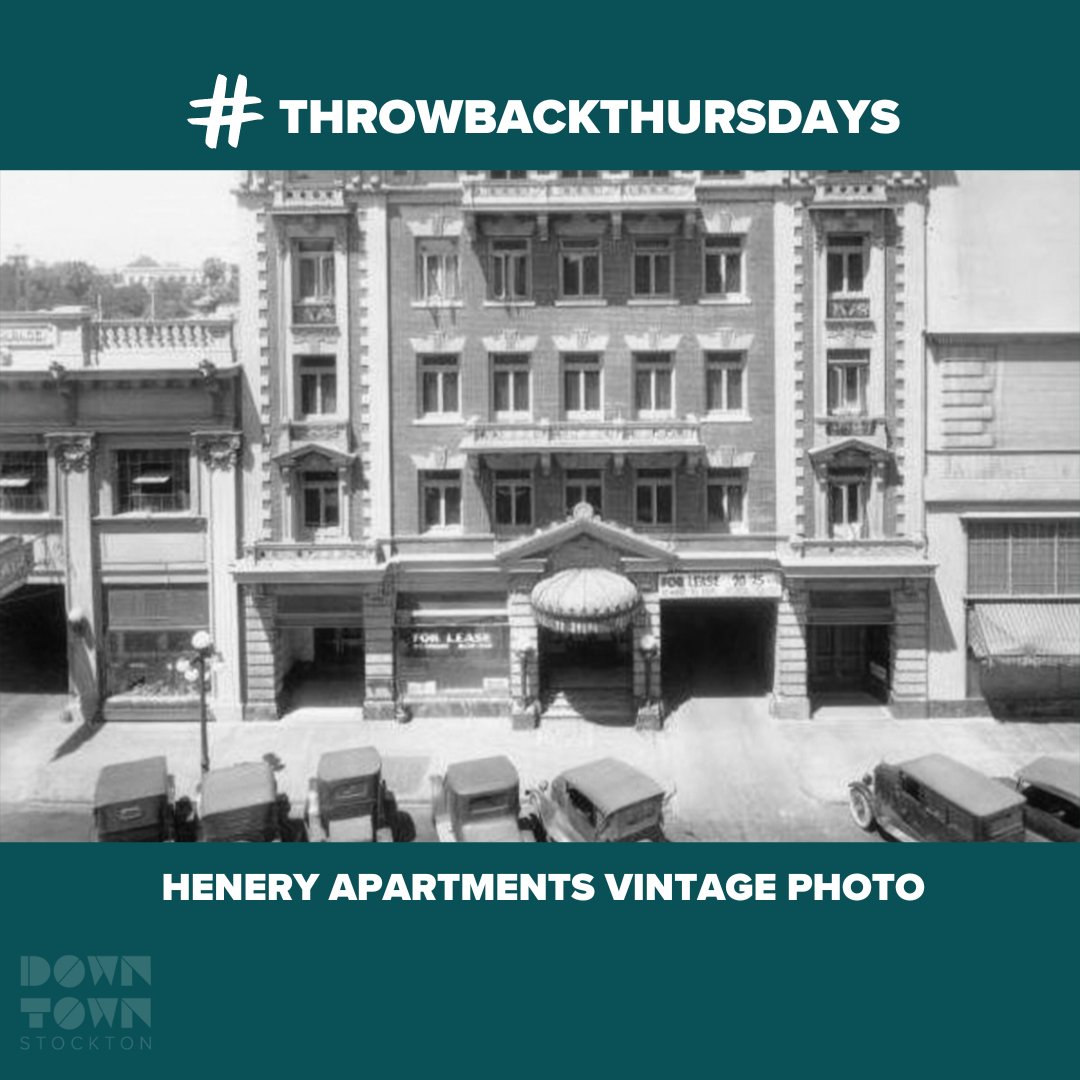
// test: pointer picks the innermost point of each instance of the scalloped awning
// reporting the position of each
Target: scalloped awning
(585, 601)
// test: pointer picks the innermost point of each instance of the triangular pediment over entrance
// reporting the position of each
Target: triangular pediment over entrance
(585, 539)
(313, 455)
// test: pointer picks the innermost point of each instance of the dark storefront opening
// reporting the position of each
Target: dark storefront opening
(849, 645)
(33, 641)
(719, 648)
(323, 646)
(590, 677)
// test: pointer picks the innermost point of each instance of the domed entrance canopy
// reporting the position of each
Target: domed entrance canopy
(585, 601)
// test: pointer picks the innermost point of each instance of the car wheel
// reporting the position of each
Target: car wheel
(861, 806)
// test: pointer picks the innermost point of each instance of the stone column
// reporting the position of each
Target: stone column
(909, 693)
(74, 453)
(524, 655)
(790, 698)
(262, 680)
(218, 454)
(380, 688)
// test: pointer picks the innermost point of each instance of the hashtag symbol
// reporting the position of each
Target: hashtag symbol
(217, 105)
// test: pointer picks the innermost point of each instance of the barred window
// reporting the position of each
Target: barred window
(152, 481)
(24, 482)
(1023, 558)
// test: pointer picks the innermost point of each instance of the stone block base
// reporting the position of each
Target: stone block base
(650, 717)
(791, 708)
(918, 709)
(525, 717)
(383, 709)
(261, 711)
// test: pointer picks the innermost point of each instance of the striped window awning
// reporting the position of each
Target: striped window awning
(1032, 634)
(585, 601)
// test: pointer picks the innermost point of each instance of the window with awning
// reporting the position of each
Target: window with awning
(1031, 634)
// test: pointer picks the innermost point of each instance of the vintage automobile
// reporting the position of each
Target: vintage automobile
(347, 798)
(1051, 790)
(134, 800)
(605, 800)
(936, 798)
(479, 801)
(240, 803)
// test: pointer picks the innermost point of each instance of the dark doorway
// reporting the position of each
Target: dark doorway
(33, 641)
(716, 648)
(848, 660)
(590, 678)
(334, 676)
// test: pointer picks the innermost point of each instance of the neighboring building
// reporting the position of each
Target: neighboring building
(1003, 456)
(147, 272)
(576, 442)
(118, 454)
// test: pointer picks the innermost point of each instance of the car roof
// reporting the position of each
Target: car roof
(482, 776)
(349, 764)
(610, 784)
(248, 784)
(125, 780)
(1056, 774)
(968, 788)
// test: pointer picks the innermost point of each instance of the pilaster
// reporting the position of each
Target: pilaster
(262, 679)
(790, 698)
(379, 680)
(910, 636)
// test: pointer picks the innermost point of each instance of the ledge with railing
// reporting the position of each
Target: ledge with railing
(321, 313)
(848, 308)
(556, 193)
(600, 435)
(191, 340)
(853, 425)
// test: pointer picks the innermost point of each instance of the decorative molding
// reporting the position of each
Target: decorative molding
(74, 450)
(218, 449)
(651, 225)
(653, 340)
(726, 339)
(583, 340)
(424, 224)
(508, 226)
(439, 459)
(438, 342)
(511, 341)
(720, 221)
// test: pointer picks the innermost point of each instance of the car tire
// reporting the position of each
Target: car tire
(861, 806)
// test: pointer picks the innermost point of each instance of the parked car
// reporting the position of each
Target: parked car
(605, 800)
(936, 798)
(240, 803)
(1051, 790)
(134, 800)
(479, 801)
(347, 798)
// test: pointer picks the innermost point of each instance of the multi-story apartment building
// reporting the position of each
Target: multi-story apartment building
(1003, 445)
(584, 441)
(119, 490)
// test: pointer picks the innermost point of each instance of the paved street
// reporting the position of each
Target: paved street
(735, 773)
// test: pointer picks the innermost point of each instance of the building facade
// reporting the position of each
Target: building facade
(584, 443)
(119, 481)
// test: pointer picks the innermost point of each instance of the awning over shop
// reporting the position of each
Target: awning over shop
(585, 601)
(1036, 634)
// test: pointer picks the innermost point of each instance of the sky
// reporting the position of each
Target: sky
(109, 219)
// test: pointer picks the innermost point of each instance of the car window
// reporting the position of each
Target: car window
(489, 805)
(1048, 803)
(911, 787)
(582, 805)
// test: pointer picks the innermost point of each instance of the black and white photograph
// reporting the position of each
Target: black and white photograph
(520, 505)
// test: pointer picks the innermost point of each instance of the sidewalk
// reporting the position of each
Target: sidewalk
(726, 759)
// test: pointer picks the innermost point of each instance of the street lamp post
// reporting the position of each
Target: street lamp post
(194, 669)
(649, 648)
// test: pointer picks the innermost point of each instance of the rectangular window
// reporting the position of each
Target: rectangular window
(650, 174)
(848, 376)
(579, 268)
(1018, 558)
(153, 481)
(513, 498)
(321, 496)
(653, 379)
(847, 508)
(508, 174)
(318, 385)
(439, 386)
(582, 396)
(24, 482)
(723, 265)
(725, 497)
(846, 265)
(654, 497)
(725, 382)
(584, 486)
(510, 270)
(579, 174)
(315, 270)
(653, 262)
(441, 500)
(438, 274)
(510, 386)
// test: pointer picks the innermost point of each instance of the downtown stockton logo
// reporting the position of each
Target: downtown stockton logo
(85, 1003)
